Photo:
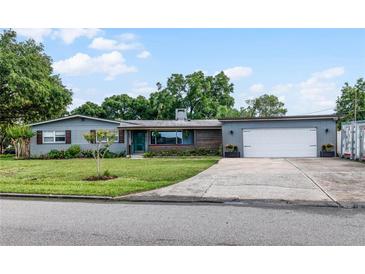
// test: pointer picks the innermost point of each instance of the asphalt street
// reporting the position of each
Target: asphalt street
(59, 222)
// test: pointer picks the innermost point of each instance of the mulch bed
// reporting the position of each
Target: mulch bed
(100, 178)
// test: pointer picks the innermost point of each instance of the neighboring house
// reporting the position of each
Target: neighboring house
(290, 136)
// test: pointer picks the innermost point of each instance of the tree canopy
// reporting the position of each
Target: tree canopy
(126, 107)
(29, 91)
(264, 106)
(203, 97)
(90, 109)
(345, 104)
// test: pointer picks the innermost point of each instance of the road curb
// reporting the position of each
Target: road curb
(54, 196)
(190, 199)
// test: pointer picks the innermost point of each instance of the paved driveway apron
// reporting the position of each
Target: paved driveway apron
(296, 180)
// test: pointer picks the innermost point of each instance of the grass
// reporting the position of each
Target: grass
(66, 176)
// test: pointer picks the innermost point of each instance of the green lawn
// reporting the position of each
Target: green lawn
(65, 176)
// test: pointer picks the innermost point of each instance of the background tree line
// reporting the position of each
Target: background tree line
(204, 97)
(31, 92)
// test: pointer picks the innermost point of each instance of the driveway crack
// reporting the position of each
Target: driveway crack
(314, 182)
(205, 192)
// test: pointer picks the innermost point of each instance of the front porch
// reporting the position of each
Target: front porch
(139, 141)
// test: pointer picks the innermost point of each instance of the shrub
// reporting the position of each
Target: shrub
(328, 147)
(191, 152)
(149, 154)
(56, 154)
(73, 152)
(107, 173)
(86, 153)
(231, 148)
(110, 154)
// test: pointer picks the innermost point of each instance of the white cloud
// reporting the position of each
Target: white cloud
(257, 88)
(329, 73)
(144, 54)
(282, 88)
(70, 35)
(238, 72)
(111, 64)
(141, 88)
(319, 90)
(127, 37)
(101, 43)
(37, 34)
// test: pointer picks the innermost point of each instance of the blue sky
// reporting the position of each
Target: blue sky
(304, 67)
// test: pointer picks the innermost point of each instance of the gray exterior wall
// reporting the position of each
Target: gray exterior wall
(237, 127)
(78, 127)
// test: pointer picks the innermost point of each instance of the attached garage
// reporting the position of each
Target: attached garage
(289, 136)
(282, 142)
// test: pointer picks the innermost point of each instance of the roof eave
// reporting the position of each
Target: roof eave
(293, 118)
(172, 127)
(74, 116)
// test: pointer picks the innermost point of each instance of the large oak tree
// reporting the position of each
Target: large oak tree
(264, 106)
(201, 95)
(29, 90)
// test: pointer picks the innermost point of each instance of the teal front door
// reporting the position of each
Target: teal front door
(138, 141)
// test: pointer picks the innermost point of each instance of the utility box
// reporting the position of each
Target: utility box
(353, 140)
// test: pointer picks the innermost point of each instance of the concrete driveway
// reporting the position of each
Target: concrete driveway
(314, 181)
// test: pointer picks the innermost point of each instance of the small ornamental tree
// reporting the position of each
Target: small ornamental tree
(101, 140)
(20, 138)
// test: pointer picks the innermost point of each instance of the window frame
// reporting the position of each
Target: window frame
(53, 132)
(176, 137)
(115, 141)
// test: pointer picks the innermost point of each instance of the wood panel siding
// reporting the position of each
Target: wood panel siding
(208, 138)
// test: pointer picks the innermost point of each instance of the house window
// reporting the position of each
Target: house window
(50, 137)
(172, 137)
(104, 139)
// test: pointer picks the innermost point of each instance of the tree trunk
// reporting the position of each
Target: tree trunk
(98, 160)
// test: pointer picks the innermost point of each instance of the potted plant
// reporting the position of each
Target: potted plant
(231, 151)
(327, 151)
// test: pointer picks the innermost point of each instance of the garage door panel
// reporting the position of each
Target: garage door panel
(288, 142)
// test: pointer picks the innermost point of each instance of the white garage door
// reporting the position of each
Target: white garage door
(280, 142)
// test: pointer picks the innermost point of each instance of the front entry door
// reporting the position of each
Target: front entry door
(139, 139)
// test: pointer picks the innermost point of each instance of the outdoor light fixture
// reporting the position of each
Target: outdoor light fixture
(231, 131)
(327, 130)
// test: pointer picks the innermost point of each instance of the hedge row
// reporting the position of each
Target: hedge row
(190, 152)
(75, 151)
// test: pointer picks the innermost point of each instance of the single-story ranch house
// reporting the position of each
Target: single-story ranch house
(288, 136)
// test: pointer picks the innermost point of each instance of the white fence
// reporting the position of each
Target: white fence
(352, 138)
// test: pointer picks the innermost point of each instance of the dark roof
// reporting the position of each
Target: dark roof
(283, 118)
(170, 124)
